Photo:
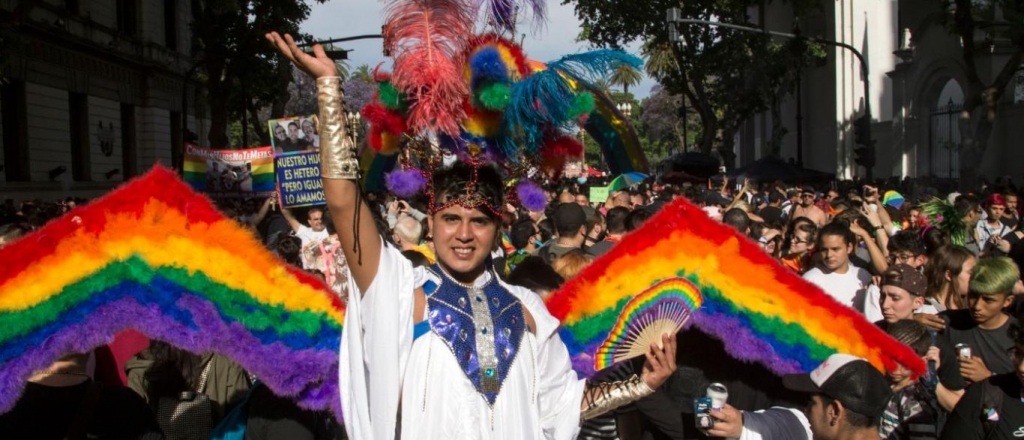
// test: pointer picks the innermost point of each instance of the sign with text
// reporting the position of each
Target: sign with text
(598, 194)
(230, 173)
(298, 179)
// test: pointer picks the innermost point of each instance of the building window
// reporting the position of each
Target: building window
(79, 116)
(127, 17)
(171, 24)
(129, 156)
(14, 108)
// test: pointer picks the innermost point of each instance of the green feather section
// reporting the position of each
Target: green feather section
(599, 324)
(233, 303)
(390, 97)
(494, 97)
(582, 105)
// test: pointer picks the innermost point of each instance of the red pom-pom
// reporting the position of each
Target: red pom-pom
(556, 151)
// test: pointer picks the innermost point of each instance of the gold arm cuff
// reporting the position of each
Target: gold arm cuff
(337, 152)
(604, 397)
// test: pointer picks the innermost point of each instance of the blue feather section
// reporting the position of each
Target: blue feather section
(487, 67)
(544, 101)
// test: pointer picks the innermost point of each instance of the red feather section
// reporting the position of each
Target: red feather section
(379, 75)
(557, 151)
(389, 121)
(429, 37)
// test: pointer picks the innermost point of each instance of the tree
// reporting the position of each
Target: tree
(625, 76)
(363, 73)
(662, 124)
(243, 74)
(711, 66)
(981, 97)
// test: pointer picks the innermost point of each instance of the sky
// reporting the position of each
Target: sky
(343, 18)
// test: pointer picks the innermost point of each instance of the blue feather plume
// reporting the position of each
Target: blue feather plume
(544, 101)
(487, 67)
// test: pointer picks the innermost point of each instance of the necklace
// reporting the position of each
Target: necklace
(460, 284)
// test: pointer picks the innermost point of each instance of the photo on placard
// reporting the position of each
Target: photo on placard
(294, 133)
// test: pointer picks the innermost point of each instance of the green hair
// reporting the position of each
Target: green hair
(994, 275)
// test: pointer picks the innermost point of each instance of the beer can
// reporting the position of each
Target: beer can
(963, 350)
(719, 394)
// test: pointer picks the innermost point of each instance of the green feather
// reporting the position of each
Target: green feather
(582, 105)
(494, 97)
(390, 96)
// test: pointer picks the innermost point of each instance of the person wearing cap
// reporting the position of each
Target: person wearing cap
(571, 226)
(990, 231)
(848, 398)
(991, 409)
(902, 292)
(983, 326)
(807, 208)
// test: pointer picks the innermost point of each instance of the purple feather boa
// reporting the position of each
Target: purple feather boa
(531, 196)
(405, 183)
(308, 375)
(742, 344)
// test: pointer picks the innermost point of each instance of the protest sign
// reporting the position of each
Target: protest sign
(598, 194)
(294, 133)
(298, 179)
(230, 173)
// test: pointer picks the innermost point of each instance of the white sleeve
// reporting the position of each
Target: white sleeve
(560, 390)
(776, 423)
(872, 304)
(375, 346)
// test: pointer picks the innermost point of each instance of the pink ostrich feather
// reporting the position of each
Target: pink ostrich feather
(428, 38)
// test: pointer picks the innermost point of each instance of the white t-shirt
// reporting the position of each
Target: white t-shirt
(850, 288)
(308, 235)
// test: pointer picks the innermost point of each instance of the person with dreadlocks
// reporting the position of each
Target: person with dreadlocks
(451, 349)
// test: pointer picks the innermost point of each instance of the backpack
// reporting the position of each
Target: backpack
(188, 416)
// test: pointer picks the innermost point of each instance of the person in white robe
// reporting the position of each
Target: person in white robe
(447, 352)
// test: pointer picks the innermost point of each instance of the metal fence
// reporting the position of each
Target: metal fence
(944, 141)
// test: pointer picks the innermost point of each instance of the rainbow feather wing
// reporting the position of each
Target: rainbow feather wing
(156, 257)
(761, 311)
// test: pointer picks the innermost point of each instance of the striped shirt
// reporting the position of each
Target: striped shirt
(909, 416)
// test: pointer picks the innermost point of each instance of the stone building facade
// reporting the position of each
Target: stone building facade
(95, 92)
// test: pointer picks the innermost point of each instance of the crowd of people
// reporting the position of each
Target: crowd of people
(947, 293)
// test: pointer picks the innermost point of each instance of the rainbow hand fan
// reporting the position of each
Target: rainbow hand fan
(760, 310)
(156, 257)
(663, 309)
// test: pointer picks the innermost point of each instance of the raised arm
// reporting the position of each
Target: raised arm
(352, 219)
(292, 221)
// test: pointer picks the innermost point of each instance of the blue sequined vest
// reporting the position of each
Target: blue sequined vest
(483, 327)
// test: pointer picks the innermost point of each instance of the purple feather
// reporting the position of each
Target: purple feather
(743, 345)
(531, 196)
(405, 183)
(309, 375)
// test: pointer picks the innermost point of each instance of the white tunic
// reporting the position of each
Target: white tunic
(383, 371)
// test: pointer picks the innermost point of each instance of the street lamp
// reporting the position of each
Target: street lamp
(353, 125)
(625, 108)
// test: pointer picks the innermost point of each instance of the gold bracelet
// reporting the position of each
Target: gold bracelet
(337, 152)
(603, 397)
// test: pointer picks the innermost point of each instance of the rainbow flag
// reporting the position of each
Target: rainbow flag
(761, 311)
(220, 173)
(156, 257)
